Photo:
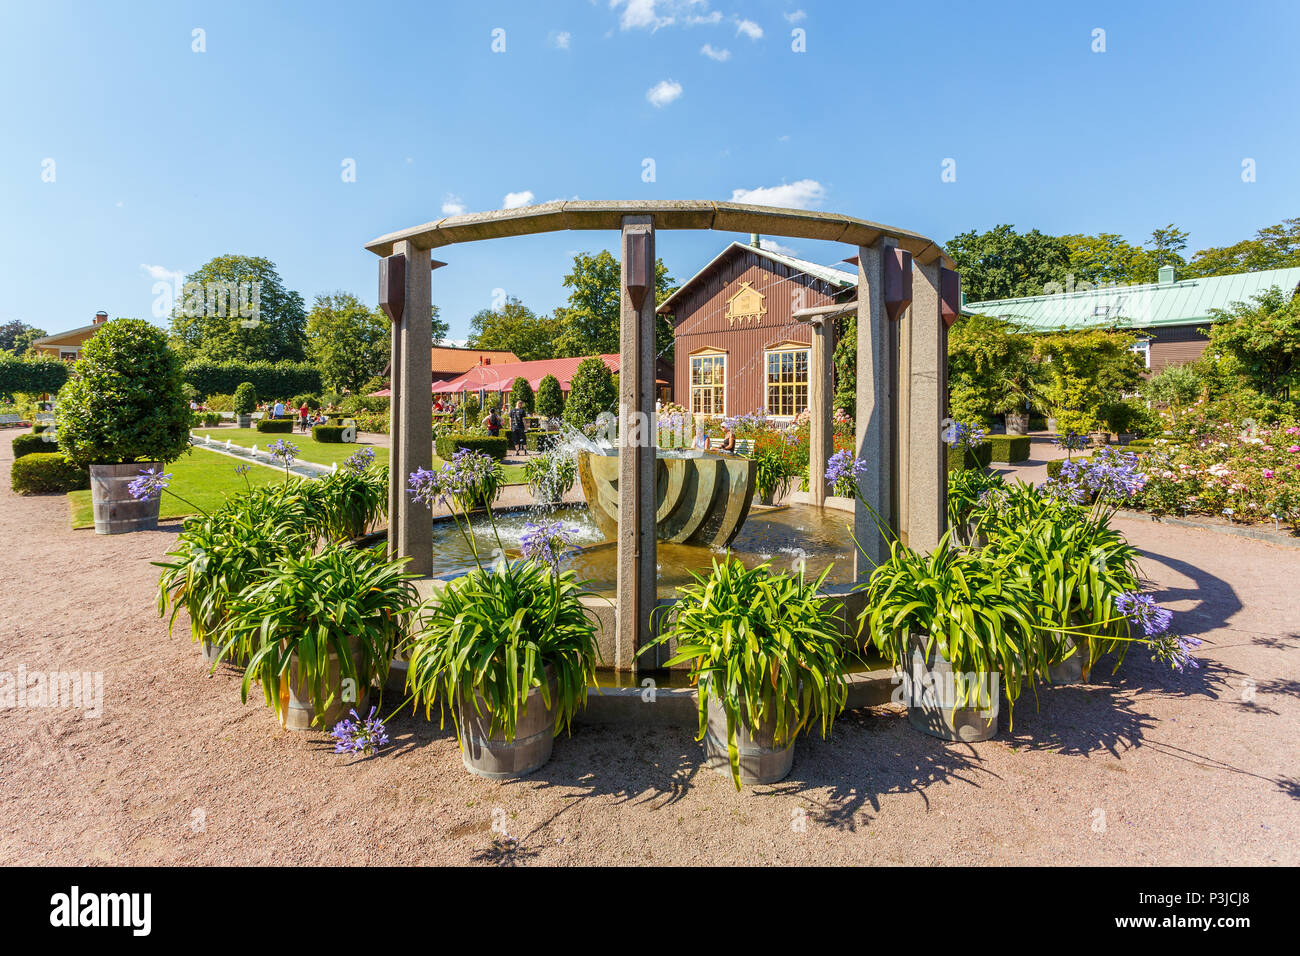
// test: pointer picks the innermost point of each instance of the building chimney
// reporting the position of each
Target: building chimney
(1166, 275)
(755, 241)
(100, 317)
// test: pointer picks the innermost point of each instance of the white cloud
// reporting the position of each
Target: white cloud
(663, 93)
(706, 19)
(749, 28)
(162, 273)
(515, 200)
(453, 205)
(561, 40)
(639, 14)
(722, 56)
(800, 195)
(795, 17)
(771, 245)
(656, 14)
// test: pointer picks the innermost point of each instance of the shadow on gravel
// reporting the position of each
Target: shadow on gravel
(1216, 601)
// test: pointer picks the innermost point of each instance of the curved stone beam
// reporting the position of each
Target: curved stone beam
(668, 214)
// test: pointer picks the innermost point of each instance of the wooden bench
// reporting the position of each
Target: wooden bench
(10, 419)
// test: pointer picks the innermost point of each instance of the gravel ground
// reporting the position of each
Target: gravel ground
(1147, 767)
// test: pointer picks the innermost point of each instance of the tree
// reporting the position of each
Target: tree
(521, 391)
(1087, 370)
(348, 341)
(591, 391)
(1003, 264)
(440, 328)
(550, 397)
(1104, 258)
(245, 399)
(515, 328)
(1175, 387)
(992, 370)
(17, 337)
(1274, 247)
(1263, 338)
(124, 401)
(590, 323)
(209, 322)
(38, 373)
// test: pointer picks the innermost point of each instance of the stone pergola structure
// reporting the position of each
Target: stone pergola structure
(907, 297)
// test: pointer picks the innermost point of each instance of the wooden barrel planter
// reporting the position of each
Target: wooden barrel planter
(761, 760)
(115, 511)
(296, 703)
(1017, 423)
(930, 687)
(490, 755)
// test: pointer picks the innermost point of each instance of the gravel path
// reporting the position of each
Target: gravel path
(1145, 768)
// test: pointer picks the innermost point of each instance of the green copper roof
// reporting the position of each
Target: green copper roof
(1187, 302)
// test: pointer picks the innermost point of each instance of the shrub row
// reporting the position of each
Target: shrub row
(33, 443)
(541, 441)
(1008, 448)
(205, 419)
(47, 473)
(332, 434)
(32, 376)
(960, 459)
(448, 445)
(267, 378)
(276, 426)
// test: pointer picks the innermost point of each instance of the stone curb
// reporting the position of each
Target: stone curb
(1278, 538)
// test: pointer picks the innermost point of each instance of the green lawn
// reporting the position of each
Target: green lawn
(203, 477)
(323, 453)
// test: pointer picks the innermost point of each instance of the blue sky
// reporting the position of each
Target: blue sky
(164, 157)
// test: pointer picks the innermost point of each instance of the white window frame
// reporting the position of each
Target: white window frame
(710, 353)
(778, 349)
(1142, 347)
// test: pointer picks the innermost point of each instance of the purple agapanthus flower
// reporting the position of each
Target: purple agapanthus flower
(1143, 610)
(844, 466)
(546, 541)
(424, 487)
(966, 436)
(242, 469)
(357, 736)
(285, 451)
(1176, 651)
(362, 460)
(149, 485)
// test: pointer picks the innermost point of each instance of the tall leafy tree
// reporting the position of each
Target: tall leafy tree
(591, 319)
(1273, 247)
(1004, 264)
(17, 336)
(591, 391)
(204, 324)
(347, 340)
(1263, 338)
(515, 328)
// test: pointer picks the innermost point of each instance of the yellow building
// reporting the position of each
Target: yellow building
(67, 345)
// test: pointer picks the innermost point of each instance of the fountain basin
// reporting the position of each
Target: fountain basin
(700, 499)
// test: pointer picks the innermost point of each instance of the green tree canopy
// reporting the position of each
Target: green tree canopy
(550, 397)
(992, 369)
(17, 337)
(590, 322)
(1003, 264)
(1273, 247)
(515, 328)
(347, 340)
(1087, 369)
(1263, 338)
(591, 391)
(208, 321)
(521, 391)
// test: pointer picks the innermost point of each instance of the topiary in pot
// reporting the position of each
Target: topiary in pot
(123, 409)
(245, 404)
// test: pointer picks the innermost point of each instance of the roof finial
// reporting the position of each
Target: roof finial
(755, 240)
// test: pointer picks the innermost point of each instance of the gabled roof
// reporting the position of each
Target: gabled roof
(836, 277)
(1185, 302)
(58, 337)
(499, 377)
(452, 359)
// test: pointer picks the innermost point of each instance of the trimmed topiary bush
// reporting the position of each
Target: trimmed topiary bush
(1007, 448)
(45, 473)
(245, 399)
(448, 445)
(32, 444)
(123, 401)
(332, 434)
(550, 397)
(541, 441)
(959, 458)
(275, 426)
(521, 391)
(591, 391)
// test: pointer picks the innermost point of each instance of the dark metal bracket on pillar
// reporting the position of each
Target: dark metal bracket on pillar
(640, 270)
(392, 286)
(949, 296)
(898, 281)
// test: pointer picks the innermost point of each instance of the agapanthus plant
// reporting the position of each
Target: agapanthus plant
(358, 736)
(150, 485)
(547, 541)
(842, 472)
(360, 461)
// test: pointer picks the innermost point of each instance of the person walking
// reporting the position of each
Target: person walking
(303, 412)
(493, 422)
(519, 428)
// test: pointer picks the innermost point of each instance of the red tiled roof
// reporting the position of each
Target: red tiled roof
(498, 377)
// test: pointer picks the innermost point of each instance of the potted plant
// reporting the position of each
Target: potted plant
(509, 650)
(957, 624)
(245, 404)
(766, 653)
(776, 466)
(123, 410)
(321, 629)
(550, 475)
(968, 489)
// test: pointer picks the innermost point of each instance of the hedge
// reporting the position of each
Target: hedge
(275, 426)
(267, 378)
(205, 420)
(1054, 467)
(1008, 448)
(41, 427)
(448, 445)
(961, 459)
(541, 441)
(31, 443)
(48, 473)
(31, 376)
(332, 434)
